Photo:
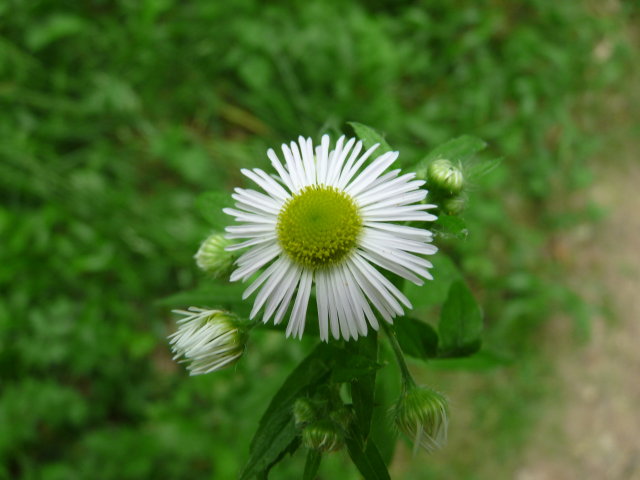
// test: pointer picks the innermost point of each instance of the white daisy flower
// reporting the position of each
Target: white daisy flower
(325, 220)
(207, 340)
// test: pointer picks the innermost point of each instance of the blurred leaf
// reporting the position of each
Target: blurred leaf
(55, 27)
(460, 324)
(370, 137)
(417, 339)
(210, 205)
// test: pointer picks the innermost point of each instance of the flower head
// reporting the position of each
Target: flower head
(328, 219)
(208, 340)
(445, 176)
(422, 414)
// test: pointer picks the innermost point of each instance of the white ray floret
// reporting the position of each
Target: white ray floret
(324, 223)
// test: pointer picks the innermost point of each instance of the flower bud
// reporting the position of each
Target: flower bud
(208, 340)
(303, 412)
(454, 205)
(212, 256)
(422, 414)
(343, 417)
(445, 177)
(323, 435)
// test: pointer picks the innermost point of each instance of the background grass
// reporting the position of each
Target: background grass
(115, 115)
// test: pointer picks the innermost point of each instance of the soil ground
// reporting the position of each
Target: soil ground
(594, 432)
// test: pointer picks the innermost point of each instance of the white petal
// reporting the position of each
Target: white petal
(267, 183)
(399, 230)
(299, 312)
(269, 237)
(280, 268)
(275, 161)
(322, 300)
(292, 280)
(369, 174)
(246, 268)
(346, 176)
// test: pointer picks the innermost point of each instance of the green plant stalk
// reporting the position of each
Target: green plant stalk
(407, 379)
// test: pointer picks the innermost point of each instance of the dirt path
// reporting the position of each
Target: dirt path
(595, 432)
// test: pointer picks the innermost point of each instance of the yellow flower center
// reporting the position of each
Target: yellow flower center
(319, 226)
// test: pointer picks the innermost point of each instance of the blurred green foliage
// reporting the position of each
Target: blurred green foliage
(115, 115)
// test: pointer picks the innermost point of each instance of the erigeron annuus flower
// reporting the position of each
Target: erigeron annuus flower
(208, 340)
(327, 220)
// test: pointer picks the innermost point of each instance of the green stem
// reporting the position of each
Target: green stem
(407, 379)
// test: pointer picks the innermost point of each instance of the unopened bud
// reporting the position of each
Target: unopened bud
(208, 340)
(323, 435)
(303, 412)
(445, 177)
(212, 256)
(422, 414)
(343, 417)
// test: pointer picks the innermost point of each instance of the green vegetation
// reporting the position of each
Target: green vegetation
(116, 116)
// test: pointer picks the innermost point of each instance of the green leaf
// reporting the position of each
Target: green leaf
(449, 226)
(366, 458)
(363, 386)
(434, 293)
(276, 430)
(483, 360)
(210, 206)
(460, 324)
(353, 367)
(370, 137)
(312, 465)
(416, 338)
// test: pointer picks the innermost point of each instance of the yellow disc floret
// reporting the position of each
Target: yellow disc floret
(319, 226)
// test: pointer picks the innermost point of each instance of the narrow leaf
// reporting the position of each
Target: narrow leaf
(460, 324)
(370, 137)
(367, 458)
(363, 387)
(312, 465)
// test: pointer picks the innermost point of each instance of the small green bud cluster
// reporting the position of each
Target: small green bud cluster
(446, 183)
(422, 415)
(212, 256)
(322, 430)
